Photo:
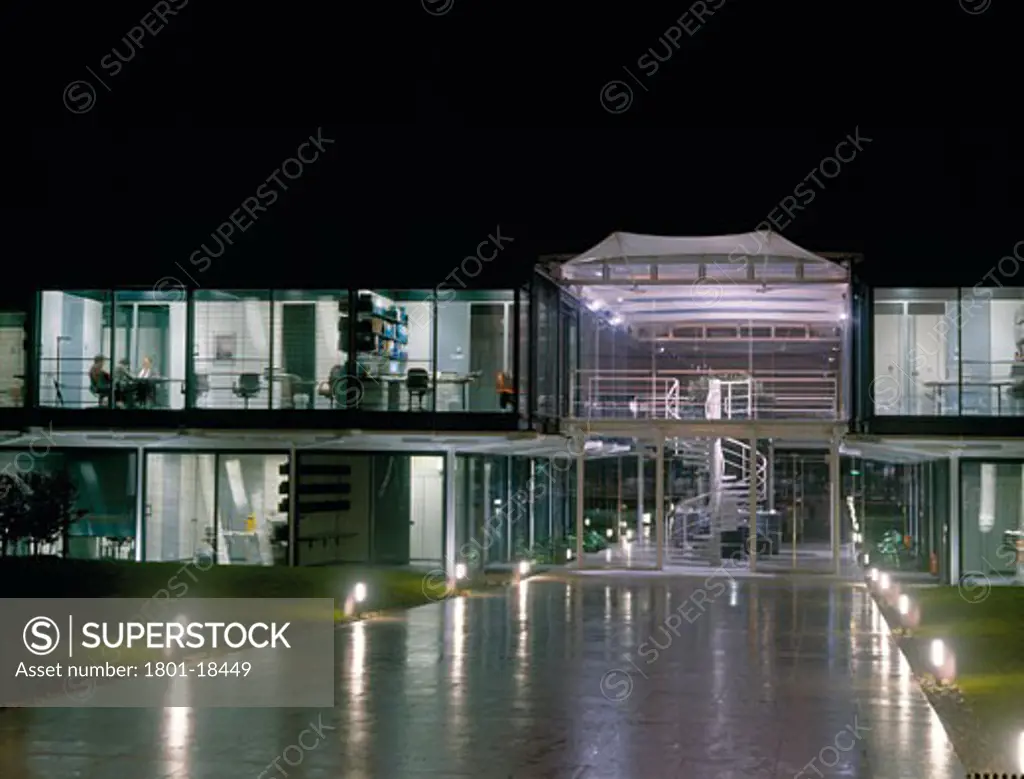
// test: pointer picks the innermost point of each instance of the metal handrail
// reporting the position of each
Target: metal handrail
(665, 394)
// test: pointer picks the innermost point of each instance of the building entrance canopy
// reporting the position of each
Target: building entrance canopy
(652, 279)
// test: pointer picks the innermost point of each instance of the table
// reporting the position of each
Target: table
(999, 386)
(462, 381)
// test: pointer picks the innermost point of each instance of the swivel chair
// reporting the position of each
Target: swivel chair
(246, 387)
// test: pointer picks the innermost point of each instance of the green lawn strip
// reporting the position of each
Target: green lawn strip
(387, 588)
(986, 711)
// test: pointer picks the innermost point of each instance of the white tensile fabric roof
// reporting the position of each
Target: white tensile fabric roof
(627, 247)
(758, 275)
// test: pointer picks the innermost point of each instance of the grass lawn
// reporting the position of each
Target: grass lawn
(986, 636)
(48, 577)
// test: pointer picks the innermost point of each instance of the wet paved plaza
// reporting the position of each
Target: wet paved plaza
(627, 676)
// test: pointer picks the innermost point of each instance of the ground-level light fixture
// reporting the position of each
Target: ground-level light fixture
(883, 582)
(867, 558)
(586, 522)
(873, 573)
(460, 570)
(938, 654)
(609, 533)
(568, 554)
(903, 605)
(359, 592)
(524, 567)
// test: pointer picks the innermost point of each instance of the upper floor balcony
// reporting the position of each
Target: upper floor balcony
(731, 327)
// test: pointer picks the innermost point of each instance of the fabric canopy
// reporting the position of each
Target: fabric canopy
(626, 246)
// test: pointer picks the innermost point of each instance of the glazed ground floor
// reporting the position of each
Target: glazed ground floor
(651, 498)
(302, 499)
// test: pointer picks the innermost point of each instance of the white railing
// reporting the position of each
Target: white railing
(685, 395)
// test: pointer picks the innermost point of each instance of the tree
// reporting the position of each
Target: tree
(39, 508)
(13, 512)
(52, 509)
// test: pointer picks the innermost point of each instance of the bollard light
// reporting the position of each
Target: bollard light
(883, 582)
(903, 604)
(359, 592)
(524, 567)
(460, 570)
(568, 554)
(867, 558)
(938, 653)
(609, 533)
(586, 522)
(873, 573)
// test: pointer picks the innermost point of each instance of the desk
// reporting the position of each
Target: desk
(388, 387)
(143, 392)
(999, 386)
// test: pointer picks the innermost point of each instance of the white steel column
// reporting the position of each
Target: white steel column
(618, 502)
(449, 516)
(140, 506)
(579, 510)
(293, 507)
(951, 529)
(752, 504)
(659, 499)
(532, 489)
(835, 503)
(640, 491)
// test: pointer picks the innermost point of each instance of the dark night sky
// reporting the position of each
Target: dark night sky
(449, 125)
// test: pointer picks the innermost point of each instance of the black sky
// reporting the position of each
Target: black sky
(449, 125)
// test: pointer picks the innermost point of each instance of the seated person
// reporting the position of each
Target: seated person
(99, 378)
(145, 386)
(124, 384)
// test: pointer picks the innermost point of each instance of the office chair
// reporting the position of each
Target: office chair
(417, 382)
(247, 387)
(201, 384)
(335, 389)
(99, 386)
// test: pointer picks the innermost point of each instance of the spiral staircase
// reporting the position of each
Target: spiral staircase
(723, 468)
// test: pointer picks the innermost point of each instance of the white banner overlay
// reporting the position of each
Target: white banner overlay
(193, 652)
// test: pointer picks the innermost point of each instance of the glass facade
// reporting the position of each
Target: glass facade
(74, 354)
(12, 359)
(991, 510)
(370, 350)
(948, 352)
(476, 351)
(105, 488)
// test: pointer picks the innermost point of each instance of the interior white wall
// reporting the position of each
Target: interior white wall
(249, 487)
(1002, 319)
(249, 322)
(178, 334)
(427, 514)
(178, 505)
(421, 347)
(326, 315)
